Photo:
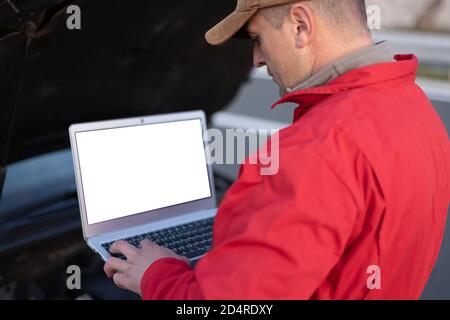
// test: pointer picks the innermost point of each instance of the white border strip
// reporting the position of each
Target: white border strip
(431, 47)
(228, 120)
(438, 91)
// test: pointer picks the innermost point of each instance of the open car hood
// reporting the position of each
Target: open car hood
(130, 58)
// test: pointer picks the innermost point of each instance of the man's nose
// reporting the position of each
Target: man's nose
(258, 58)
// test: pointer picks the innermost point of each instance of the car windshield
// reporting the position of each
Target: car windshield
(38, 183)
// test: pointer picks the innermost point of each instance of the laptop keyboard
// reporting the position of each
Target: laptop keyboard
(190, 240)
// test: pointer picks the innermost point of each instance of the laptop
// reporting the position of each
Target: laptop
(145, 178)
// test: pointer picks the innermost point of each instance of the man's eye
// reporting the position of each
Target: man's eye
(256, 39)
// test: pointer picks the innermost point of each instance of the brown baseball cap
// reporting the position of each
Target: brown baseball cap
(232, 24)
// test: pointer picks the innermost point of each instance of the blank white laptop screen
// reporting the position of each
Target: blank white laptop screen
(131, 170)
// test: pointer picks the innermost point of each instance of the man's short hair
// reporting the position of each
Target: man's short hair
(350, 14)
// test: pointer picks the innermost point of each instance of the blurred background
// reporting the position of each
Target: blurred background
(134, 58)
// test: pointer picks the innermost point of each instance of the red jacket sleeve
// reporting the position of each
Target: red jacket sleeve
(170, 278)
(275, 237)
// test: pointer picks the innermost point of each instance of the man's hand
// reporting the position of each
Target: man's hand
(128, 274)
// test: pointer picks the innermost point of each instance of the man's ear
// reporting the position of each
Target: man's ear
(302, 19)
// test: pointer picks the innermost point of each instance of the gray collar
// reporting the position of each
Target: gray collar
(378, 53)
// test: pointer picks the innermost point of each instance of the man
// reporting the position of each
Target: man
(358, 207)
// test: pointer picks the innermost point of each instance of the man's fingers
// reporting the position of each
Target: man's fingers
(123, 247)
(120, 280)
(114, 265)
(170, 253)
(146, 243)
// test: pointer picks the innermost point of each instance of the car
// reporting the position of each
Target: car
(125, 59)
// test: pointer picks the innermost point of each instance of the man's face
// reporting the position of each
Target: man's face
(277, 49)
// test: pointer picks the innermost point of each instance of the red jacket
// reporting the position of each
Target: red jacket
(364, 180)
